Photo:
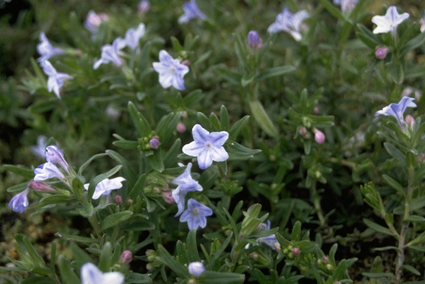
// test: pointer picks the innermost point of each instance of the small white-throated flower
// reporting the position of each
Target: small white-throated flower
(90, 274)
(56, 79)
(397, 110)
(46, 50)
(389, 22)
(207, 147)
(195, 215)
(110, 53)
(191, 11)
(106, 186)
(19, 202)
(290, 23)
(171, 71)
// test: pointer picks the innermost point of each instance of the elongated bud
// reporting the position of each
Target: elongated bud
(168, 197)
(381, 52)
(126, 257)
(40, 186)
(254, 40)
(154, 142)
(118, 200)
(319, 136)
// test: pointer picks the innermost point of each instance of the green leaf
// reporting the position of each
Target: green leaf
(156, 161)
(377, 227)
(378, 275)
(68, 275)
(394, 184)
(167, 259)
(296, 232)
(167, 125)
(412, 44)
(237, 127)
(238, 152)
(231, 76)
(20, 170)
(83, 166)
(115, 219)
(192, 248)
(368, 38)
(137, 278)
(273, 72)
(224, 118)
(140, 122)
(395, 153)
(411, 269)
(78, 239)
(262, 118)
(332, 10)
(213, 277)
(126, 144)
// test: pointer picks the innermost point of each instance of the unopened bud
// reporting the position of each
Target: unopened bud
(118, 200)
(181, 127)
(149, 267)
(296, 251)
(316, 110)
(168, 197)
(126, 257)
(130, 202)
(40, 186)
(325, 259)
(319, 136)
(254, 39)
(381, 52)
(410, 120)
(253, 255)
(186, 62)
(196, 268)
(154, 142)
(143, 7)
(302, 131)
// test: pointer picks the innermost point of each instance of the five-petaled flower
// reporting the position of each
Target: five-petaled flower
(195, 214)
(90, 274)
(171, 71)
(290, 23)
(185, 183)
(207, 147)
(19, 202)
(48, 171)
(389, 22)
(56, 79)
(110, 53)
(346, 5)
(132, 36)
(196, 268)
(46, 50)
(191, 11)
(397, 110)
(106, 186)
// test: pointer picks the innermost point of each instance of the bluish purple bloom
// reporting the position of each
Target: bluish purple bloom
(191, 11)
(55, 155)
(154, 142)
(254, 39)
(171, 71)
(196, 268)
(271, 240)
(346, 5)
(143, 6)
(133, 36)
(207, 147)
(110, 53)
(46, 50)
(195, 214)
(389, 22)
(290, 23)
(19, 202)
(40, 149)
(48, 171)
(185, 183)
(56, 79)
(397, 110)
(90, 274)
(106, 186)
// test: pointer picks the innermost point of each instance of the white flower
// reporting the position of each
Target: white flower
(133, 36)
(389, 22)
(106, 186)
(290, 23)
(110, 53)
(56, 79)
(90, 274)
(171, 71)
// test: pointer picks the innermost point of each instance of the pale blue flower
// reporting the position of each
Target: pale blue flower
(133, 36)
(46, 50)
(110, 53)
(191, 11)
(171, 71)
(271, 240)
(48, 171)
(207, 147)
(55, 155)
(346, 5)
(106, 186)
(185, 183)
(195, 214)
(40, 149)
(56, 79)
(389, 22)
(196, 268)
(290, 23)
(397, 110)
(90, 274)
(93, 21)
(19, 202)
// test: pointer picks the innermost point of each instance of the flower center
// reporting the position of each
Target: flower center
(172, 70)
(195, 211)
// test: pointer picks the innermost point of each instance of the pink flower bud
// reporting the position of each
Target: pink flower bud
(410, 120)
(181, 127)
(296, 251)
(40, 186)
(186, 62)
(154, 142)
(381, 52)
(325, 259)
(319, 136)
(143, 7)
(316, 110)
(302, 131)
(168, 197)
(118, 200)
(126, 257)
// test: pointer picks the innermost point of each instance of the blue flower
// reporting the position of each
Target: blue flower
(271, 240)
(389, 22)
(48, 171)
(195, 214)
(397, 110)
(19, 202)
(106, 186)
(185, 183)
(346, 5)
(191, 11)
(171, 71)
(55, 80)
(133, 36)
(207, 147)
(46, 50)
(196, 268)
(290, 23)
(55, 155)
(254, 39)
(110, 53)
(40, 149)
(90, 274)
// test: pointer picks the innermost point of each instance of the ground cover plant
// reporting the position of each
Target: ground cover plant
(217, 141)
